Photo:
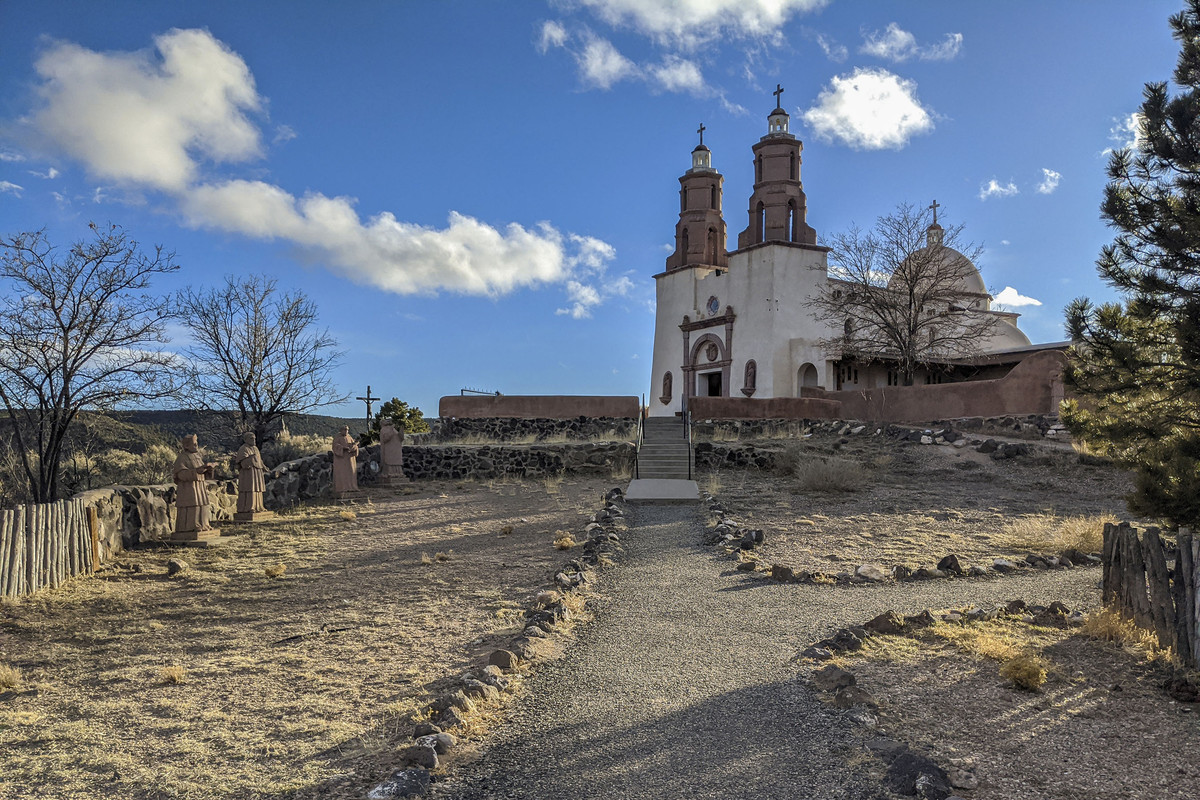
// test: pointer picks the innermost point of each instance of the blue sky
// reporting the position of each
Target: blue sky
(478, 194)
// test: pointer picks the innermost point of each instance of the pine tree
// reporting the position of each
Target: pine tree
(409, 419)
(1135, 365)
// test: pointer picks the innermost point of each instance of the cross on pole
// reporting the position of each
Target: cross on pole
(778, 91)
(935, 208)
(368, 400)
(700, 131)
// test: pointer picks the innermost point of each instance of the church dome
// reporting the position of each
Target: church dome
(969, 280)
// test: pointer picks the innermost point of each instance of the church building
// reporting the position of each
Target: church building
(740, 324)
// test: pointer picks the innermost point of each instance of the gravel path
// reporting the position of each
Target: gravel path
(685, 684)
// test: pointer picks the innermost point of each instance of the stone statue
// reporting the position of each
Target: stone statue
(251, 483)
(391, 454)
(191, 494)
(345, 468)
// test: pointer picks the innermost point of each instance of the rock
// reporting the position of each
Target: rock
(781, 573)
(846, 640)
(404, 783)
(747, 566)
(962, 779)
(419, 755)
(1015, 607)
(922, 620)
(926, 440)
(450, 718)
(425, 729)
(441, 743)
(950, 564)
(988, 446)
(176, 566)
(981, 615)
(849, 696)
(816, 653)
(831, 678)
(1076, 557)
(976, 572)
(886, 749)
(871, 572)
(902, 572)
(1037, 561)
(1003, 566)
(862, 716)
(486, 691)
(925, 573)
(911, 773)
(888, 623)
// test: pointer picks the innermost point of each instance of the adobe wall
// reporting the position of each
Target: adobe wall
(535, 406)
(1032, 387)
(765, 408)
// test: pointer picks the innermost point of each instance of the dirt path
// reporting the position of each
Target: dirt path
(685, 684)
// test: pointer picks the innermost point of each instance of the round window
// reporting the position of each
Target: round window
(714, 305)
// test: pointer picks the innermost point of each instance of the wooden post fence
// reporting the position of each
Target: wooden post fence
(44, 545)
(1138, 584)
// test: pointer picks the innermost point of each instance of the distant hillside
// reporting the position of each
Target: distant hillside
(218, 429)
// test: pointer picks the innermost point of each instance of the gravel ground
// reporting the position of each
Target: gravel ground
(685, 685)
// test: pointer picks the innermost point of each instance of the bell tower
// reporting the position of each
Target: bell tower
(778, 208)
(700, 231)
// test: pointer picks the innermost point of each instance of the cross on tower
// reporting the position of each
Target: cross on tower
(935, 208)
(368, 400)
(778, 91)
(700, 131)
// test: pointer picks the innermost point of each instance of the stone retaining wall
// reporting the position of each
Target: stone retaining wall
(509, 429)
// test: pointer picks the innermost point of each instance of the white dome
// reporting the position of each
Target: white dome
(969, 282)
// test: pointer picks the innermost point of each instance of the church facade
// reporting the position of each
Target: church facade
(740, 324)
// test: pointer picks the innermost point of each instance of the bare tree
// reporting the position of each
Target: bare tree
(76, 332)
(256, 351)
(905, 292)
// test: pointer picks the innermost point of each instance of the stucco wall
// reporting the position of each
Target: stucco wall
(531, 406)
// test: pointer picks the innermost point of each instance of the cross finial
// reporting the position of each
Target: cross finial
(935, 208)
(778, 91)
(701, 131)
(368, 400)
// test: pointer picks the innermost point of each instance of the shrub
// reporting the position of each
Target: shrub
(173, 674)
(815, 473)
(10, 677)
(288, 447)
(1026, 671)
(1047, 533)
(563, 540)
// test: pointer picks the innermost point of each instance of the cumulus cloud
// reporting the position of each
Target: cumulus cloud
(1050, 180)
(7, 187)
(8, 155)
(134, 118)
(553, 35)
(869, 109)
(1011, 298)
(677, 74)
(897, 44)
(993, 188)
(601, 64)
(688, 23)
(147, 123)
(1127, 132)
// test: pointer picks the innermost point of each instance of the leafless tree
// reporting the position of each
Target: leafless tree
(902, 292)
(256, 351)
(77, 331)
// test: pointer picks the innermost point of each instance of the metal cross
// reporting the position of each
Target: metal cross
(368, 400)
(934, 207)
(700, 131)
(778, 91)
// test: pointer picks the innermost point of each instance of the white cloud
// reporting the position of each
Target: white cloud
(993, 188)
(284, 133)
(1050, 180)
(148, 124)
(601, 65)
(690, 22)
(833, 51)
(1011, 298)
(8, 155)
(553, 35)
(130, 117)
(677, 74)
(869, 109)
(48, 175)
(1005, 242)
(897, 44)
(7, 187)
(1128, 132)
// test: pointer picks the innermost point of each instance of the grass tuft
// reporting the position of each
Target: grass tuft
(1027, 671)
(348, 516)
(10, 677)
(563, 540)
(506, 530)
(173, 674)
(275, 571)
(425, 559)
(1048, 533)
(814, 473)
(440, 556)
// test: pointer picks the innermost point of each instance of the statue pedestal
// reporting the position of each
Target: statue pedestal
(206, 538)
(253, 516)
(388, 481)
(353, 494)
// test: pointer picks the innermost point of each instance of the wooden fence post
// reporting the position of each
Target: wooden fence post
(1108, 583)
(18, 571)
(5, 536)
(1194, 626)
(94, 532)
(1181, 591)
(1162, 608)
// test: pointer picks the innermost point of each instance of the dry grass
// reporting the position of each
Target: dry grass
(829, 475)
(347, 516)
(1027, 671)
(563, 540)
(554, 483)
(996, 641)
(1048, 533)
(173, 674)
(440, 556)
(506, 530)
(1110, 626)
(10, 677)
(275, 571)
(425, 559)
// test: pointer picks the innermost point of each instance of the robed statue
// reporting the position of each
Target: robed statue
(190, 474)
(391, 453)
(251, 481)
(345, 467)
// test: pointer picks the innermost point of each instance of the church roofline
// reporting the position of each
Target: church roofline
(801, 245)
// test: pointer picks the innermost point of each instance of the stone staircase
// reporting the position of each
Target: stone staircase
(665, 452)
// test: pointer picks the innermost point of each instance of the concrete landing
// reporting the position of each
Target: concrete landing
(662, 490)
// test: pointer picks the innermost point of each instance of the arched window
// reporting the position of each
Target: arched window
(792, 172)
(683, 249)
(760, 222)
(758, 170)
(713, 198)
(848, 328)
(682, 200)
(710, 255)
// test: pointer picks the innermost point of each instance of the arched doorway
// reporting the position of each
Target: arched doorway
(806, 376)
